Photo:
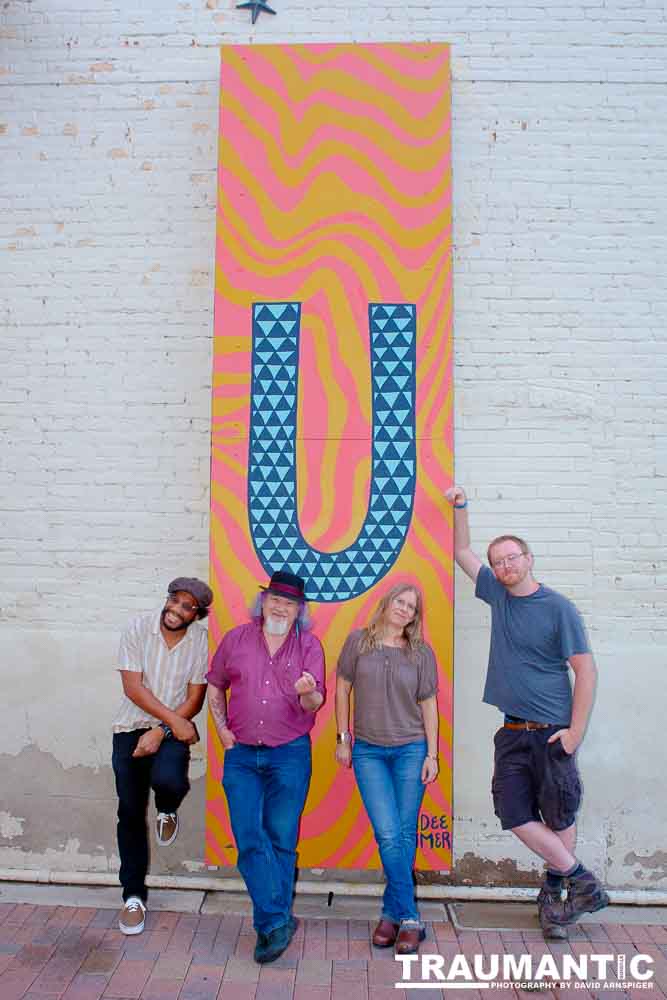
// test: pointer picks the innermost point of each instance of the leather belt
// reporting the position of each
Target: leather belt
(525, 724)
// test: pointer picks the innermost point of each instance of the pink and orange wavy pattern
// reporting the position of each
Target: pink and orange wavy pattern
(334, 190)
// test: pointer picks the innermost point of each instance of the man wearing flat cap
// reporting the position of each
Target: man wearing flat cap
(162, 662)
(274, 669)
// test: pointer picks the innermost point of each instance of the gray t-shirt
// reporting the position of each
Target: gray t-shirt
(531, 640)
(388, 685)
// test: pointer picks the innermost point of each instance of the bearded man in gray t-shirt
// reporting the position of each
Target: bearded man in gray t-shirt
(537, 636)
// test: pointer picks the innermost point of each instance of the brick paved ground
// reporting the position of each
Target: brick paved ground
(77, 953)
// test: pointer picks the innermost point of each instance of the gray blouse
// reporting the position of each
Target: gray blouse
(388, 684)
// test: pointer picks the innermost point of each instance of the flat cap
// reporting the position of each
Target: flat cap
(201, 591)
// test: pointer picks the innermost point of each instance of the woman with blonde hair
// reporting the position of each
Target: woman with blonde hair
(395, 749)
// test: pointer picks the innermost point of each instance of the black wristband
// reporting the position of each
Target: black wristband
(166, 730)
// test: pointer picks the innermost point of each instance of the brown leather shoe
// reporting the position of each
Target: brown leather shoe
(409, 939)
(384, 934)
(166, 828)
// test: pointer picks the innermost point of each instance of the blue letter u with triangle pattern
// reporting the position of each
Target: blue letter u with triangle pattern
(272, 507)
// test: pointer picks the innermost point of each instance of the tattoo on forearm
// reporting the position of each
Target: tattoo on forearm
(218, 705)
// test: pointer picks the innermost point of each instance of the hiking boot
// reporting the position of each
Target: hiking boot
(132, 916)
(166, 828)
(549, 907)
(585, 894)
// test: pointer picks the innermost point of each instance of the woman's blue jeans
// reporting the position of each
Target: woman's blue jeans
(266, 789)
(389, 780)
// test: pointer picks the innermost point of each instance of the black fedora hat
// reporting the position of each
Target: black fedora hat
(286, 584)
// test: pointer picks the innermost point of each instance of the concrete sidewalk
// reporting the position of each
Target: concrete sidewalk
(63, 942)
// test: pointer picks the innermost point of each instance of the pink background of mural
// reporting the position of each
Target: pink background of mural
(334, 190)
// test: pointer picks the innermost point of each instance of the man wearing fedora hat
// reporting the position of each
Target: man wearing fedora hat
(274, 669)
(162, 662)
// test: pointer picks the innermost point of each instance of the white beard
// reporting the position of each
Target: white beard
(276, 626)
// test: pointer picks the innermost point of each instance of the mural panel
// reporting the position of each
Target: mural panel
(332, 434)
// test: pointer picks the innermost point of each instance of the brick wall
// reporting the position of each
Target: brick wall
(108, 130)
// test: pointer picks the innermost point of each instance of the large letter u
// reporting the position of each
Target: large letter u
(272, 509)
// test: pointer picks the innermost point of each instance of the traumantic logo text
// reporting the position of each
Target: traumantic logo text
(497, 972)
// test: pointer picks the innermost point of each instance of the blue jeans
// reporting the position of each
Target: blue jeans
(389, 780)
(266, 789)
(166, 772)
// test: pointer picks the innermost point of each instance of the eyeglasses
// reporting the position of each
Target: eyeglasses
(508, 561)
(186, 605)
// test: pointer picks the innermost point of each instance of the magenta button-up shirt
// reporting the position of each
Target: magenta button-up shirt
(263, 707)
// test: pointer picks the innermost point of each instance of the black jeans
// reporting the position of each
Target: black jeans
(534, 780)
(166, 772)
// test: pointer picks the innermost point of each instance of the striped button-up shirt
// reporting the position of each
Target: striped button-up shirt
(166, 672)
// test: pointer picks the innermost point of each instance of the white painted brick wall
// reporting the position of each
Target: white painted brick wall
(108, 131)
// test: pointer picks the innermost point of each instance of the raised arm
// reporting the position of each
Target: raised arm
(468, 560)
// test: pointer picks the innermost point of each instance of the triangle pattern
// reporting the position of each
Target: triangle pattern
(276, 533)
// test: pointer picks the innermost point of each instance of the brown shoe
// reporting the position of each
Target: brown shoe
(384, 934)
(132, 916)
(409, 938)
(166, 828)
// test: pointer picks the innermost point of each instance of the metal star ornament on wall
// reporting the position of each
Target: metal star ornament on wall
(257, 7)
